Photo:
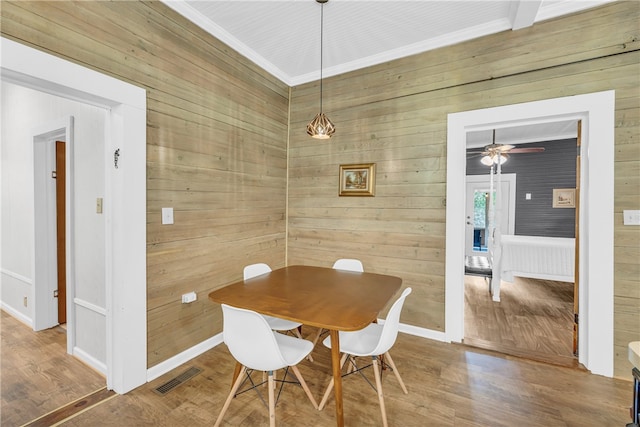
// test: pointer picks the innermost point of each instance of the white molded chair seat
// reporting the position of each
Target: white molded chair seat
(348, 264)
(374, 340)
(254, 345)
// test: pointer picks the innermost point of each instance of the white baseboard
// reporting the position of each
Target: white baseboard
(14, 313)
(422, 332)
(182, 358)
(90, 361)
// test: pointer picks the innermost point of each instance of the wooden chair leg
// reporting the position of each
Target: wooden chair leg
(234, 389)
(297, 332)
(376, 370)
(272, 407)
(395, 371)
(303, 383)
(315, 340)
(330, 386)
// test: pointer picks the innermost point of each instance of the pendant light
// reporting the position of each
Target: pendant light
(321, 127)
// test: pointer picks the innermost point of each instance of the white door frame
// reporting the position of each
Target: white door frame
(44, 261)
(597, 111)
(124, 202)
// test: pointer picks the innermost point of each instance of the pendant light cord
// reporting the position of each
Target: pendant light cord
(321, 50)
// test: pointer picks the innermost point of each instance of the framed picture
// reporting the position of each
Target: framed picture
(564, 197)
(357, 180)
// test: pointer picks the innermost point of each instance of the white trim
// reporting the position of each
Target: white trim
(44, 259)
(419, 332)
(90, 360)
(15, 313)
(125, 254)
(90, 306)
(181, 358)
(596, 110)
(16, 276)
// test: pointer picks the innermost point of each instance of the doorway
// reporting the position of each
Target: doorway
(125, 199)
(53, 237)
(596, 110)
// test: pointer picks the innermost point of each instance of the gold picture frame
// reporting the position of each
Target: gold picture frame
(357, 179)
(564, 197)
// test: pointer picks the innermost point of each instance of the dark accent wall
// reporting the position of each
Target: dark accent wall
(539, 174)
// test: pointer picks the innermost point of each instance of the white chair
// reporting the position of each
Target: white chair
(348, 264)
(374, 340)
(275, 323)
(255, 346)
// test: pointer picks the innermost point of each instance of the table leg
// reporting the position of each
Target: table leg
(337, 376)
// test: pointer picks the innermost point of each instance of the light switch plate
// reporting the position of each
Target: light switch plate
(167, 216)
(631, 217)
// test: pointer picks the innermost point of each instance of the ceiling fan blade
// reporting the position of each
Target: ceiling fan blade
(527, 150)
(504, 147)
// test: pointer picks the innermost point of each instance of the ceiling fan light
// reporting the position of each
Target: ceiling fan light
(321, 127)
(501, 158)
(487, 160)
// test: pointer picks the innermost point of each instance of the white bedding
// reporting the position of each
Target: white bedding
(550, 258)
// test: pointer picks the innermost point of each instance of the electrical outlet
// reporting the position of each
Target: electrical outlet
(25, 301)
(189, 297)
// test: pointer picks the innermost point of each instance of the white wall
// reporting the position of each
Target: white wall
(24, 109)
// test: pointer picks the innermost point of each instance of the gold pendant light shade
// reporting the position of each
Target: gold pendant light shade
(321, 127)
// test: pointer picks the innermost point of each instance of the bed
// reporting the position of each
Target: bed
(548, 258)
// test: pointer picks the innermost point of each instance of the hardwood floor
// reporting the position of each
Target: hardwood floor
(449, 385)
(534, 319)
(37, 375)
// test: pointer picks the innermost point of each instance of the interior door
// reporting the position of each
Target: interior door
(478, 210)
(61, 231)
(576, 281)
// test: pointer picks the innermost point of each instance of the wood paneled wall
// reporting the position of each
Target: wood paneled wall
(216, 148)
(395, 114)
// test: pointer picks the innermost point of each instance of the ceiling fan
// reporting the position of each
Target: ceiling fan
(499, 153)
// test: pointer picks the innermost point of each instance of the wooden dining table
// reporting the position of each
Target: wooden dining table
(337, 300)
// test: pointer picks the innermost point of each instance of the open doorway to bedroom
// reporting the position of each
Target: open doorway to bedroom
(595, 298)
(530, 312)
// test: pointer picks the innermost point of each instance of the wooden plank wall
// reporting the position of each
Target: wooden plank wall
(395, 114)
(216, 148)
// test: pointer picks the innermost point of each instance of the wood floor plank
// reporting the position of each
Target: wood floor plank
(72, 409)
(534, 319)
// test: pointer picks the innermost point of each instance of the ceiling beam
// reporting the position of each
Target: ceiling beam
(523, 13)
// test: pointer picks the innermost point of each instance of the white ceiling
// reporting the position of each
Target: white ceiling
(283, 36)
(553, 129)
